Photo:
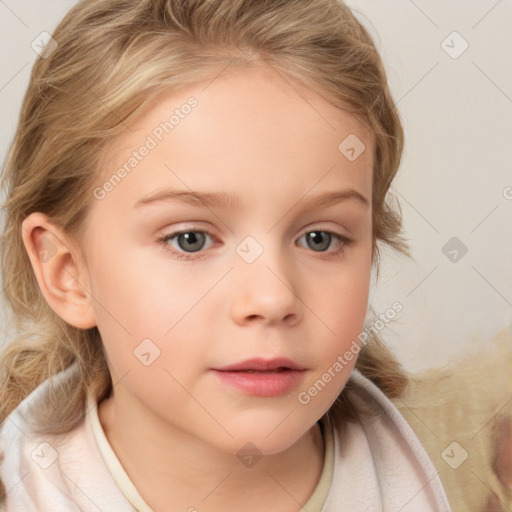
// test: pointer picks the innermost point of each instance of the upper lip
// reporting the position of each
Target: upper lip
(262, 364)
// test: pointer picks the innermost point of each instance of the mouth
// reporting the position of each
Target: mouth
(277, 370)
(262, 377)
(278, 364)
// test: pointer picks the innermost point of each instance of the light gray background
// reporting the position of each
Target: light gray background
(457, 114)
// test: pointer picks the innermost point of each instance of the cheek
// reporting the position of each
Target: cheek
(139, 289)
(342, 306)
(147, 313)
(343, 299)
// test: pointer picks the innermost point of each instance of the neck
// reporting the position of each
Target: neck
(168, 465)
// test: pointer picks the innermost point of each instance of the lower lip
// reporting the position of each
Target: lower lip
(262, 383)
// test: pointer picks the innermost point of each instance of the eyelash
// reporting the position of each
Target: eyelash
(345, 243)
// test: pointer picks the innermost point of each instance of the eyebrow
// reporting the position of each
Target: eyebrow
(222, 200)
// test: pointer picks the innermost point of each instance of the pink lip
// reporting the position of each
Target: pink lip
(262, 364)
(262, 377)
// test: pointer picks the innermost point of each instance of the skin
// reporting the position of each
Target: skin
(174, 425)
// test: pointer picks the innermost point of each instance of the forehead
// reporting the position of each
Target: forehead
(256, 124)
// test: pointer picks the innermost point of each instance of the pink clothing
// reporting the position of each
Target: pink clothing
(378, 465)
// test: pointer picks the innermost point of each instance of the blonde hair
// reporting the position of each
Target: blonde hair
(114, 58)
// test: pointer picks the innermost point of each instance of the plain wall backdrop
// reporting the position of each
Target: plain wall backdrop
(450, 71)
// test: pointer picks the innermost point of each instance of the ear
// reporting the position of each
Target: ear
(58, 268)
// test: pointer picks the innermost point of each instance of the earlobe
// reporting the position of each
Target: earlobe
(57, 267)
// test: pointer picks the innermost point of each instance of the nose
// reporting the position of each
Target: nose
(266, 292)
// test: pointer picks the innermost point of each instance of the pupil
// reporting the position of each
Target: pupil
(194, 241)
(317, 236)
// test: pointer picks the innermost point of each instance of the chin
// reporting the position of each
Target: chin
(264, 436)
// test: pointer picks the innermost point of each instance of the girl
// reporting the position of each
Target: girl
(194, 200)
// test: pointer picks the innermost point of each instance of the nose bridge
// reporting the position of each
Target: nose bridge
(264, 260)
(266, 283)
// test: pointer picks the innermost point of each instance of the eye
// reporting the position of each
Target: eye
(319, 241)
(184, 242)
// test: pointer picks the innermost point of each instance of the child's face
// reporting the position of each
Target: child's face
(253, 286)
